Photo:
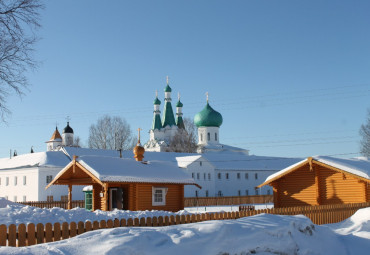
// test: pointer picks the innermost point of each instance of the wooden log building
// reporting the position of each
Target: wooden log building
(321, 181)
(125, 183)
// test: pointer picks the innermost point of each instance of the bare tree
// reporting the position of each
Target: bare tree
(77, 142)
(365, 134)
(185, 139)
(111, 133)
(19, 19)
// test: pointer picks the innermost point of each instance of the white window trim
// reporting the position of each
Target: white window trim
(164, 192)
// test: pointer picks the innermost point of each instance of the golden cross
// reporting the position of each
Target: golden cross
(68, 118)
(167, 80)
(207, 96)
(178, 95)
(139, 129)
(156, 93)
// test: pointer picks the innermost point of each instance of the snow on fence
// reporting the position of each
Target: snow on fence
(31, 234)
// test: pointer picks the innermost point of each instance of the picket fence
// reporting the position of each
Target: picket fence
(232, 200)
(25, 235)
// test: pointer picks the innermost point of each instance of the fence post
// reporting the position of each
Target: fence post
(48, 233)
(21, 235)
(3, 235)
(12, 235)
(40, 233)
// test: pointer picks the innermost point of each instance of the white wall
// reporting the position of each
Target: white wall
(17, 191)
(34, 187)
(202, 169)
(232, 185)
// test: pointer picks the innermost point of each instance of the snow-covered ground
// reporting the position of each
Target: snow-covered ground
(260, 234)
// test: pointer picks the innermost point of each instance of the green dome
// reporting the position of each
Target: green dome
(179, 104)
(167, 88)
(208, 117)
(157, 101)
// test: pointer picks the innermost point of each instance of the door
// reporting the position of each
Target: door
(115, 199)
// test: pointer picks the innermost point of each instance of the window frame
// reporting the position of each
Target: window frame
(164, 191)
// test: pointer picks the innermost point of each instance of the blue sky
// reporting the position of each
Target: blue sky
(291, 78)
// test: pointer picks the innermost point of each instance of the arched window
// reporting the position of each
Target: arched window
(201, 137)
(209, 136)
(215, 136)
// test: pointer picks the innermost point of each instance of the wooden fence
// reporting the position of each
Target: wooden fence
(51, 204)
(237, 200)
(29, 235)
(189, 201)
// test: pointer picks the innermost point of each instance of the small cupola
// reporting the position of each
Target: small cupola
(67, 136)
(68, 129)
(139, 150)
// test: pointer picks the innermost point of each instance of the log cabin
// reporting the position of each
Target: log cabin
(122, 183)
(321, 180)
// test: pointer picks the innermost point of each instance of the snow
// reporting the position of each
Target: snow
(260, 234)
(47, 159)
(241, 161)
(129, 170)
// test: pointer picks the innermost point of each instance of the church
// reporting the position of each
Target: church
(217, 169)
(163, 131)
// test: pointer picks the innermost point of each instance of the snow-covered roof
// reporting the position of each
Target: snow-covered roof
(241, 161)
(224, 160)
(47, 159)
(109, 169)
(357, 166)
(71, 151)
(186, 160)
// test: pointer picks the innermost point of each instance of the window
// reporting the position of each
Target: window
(239, 193)
(15, 180)
(227, 176)
(24, 180)
(15, 198)
(49, 178)
(196, 193)
(206, 193)
(219, 193)
(201, 137)
(204, 176)
(246, 192)
(198, 176)
(256, 191)
(50, 198)
(7, 181)
(24, 199)
(192, 175)
(256, 176)
(209, 136)
(268, 192)
(209, 176)
(200, 163)
(246, 176)
(238, 175)
(159, 196)
(219, 175)
(215, 136)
